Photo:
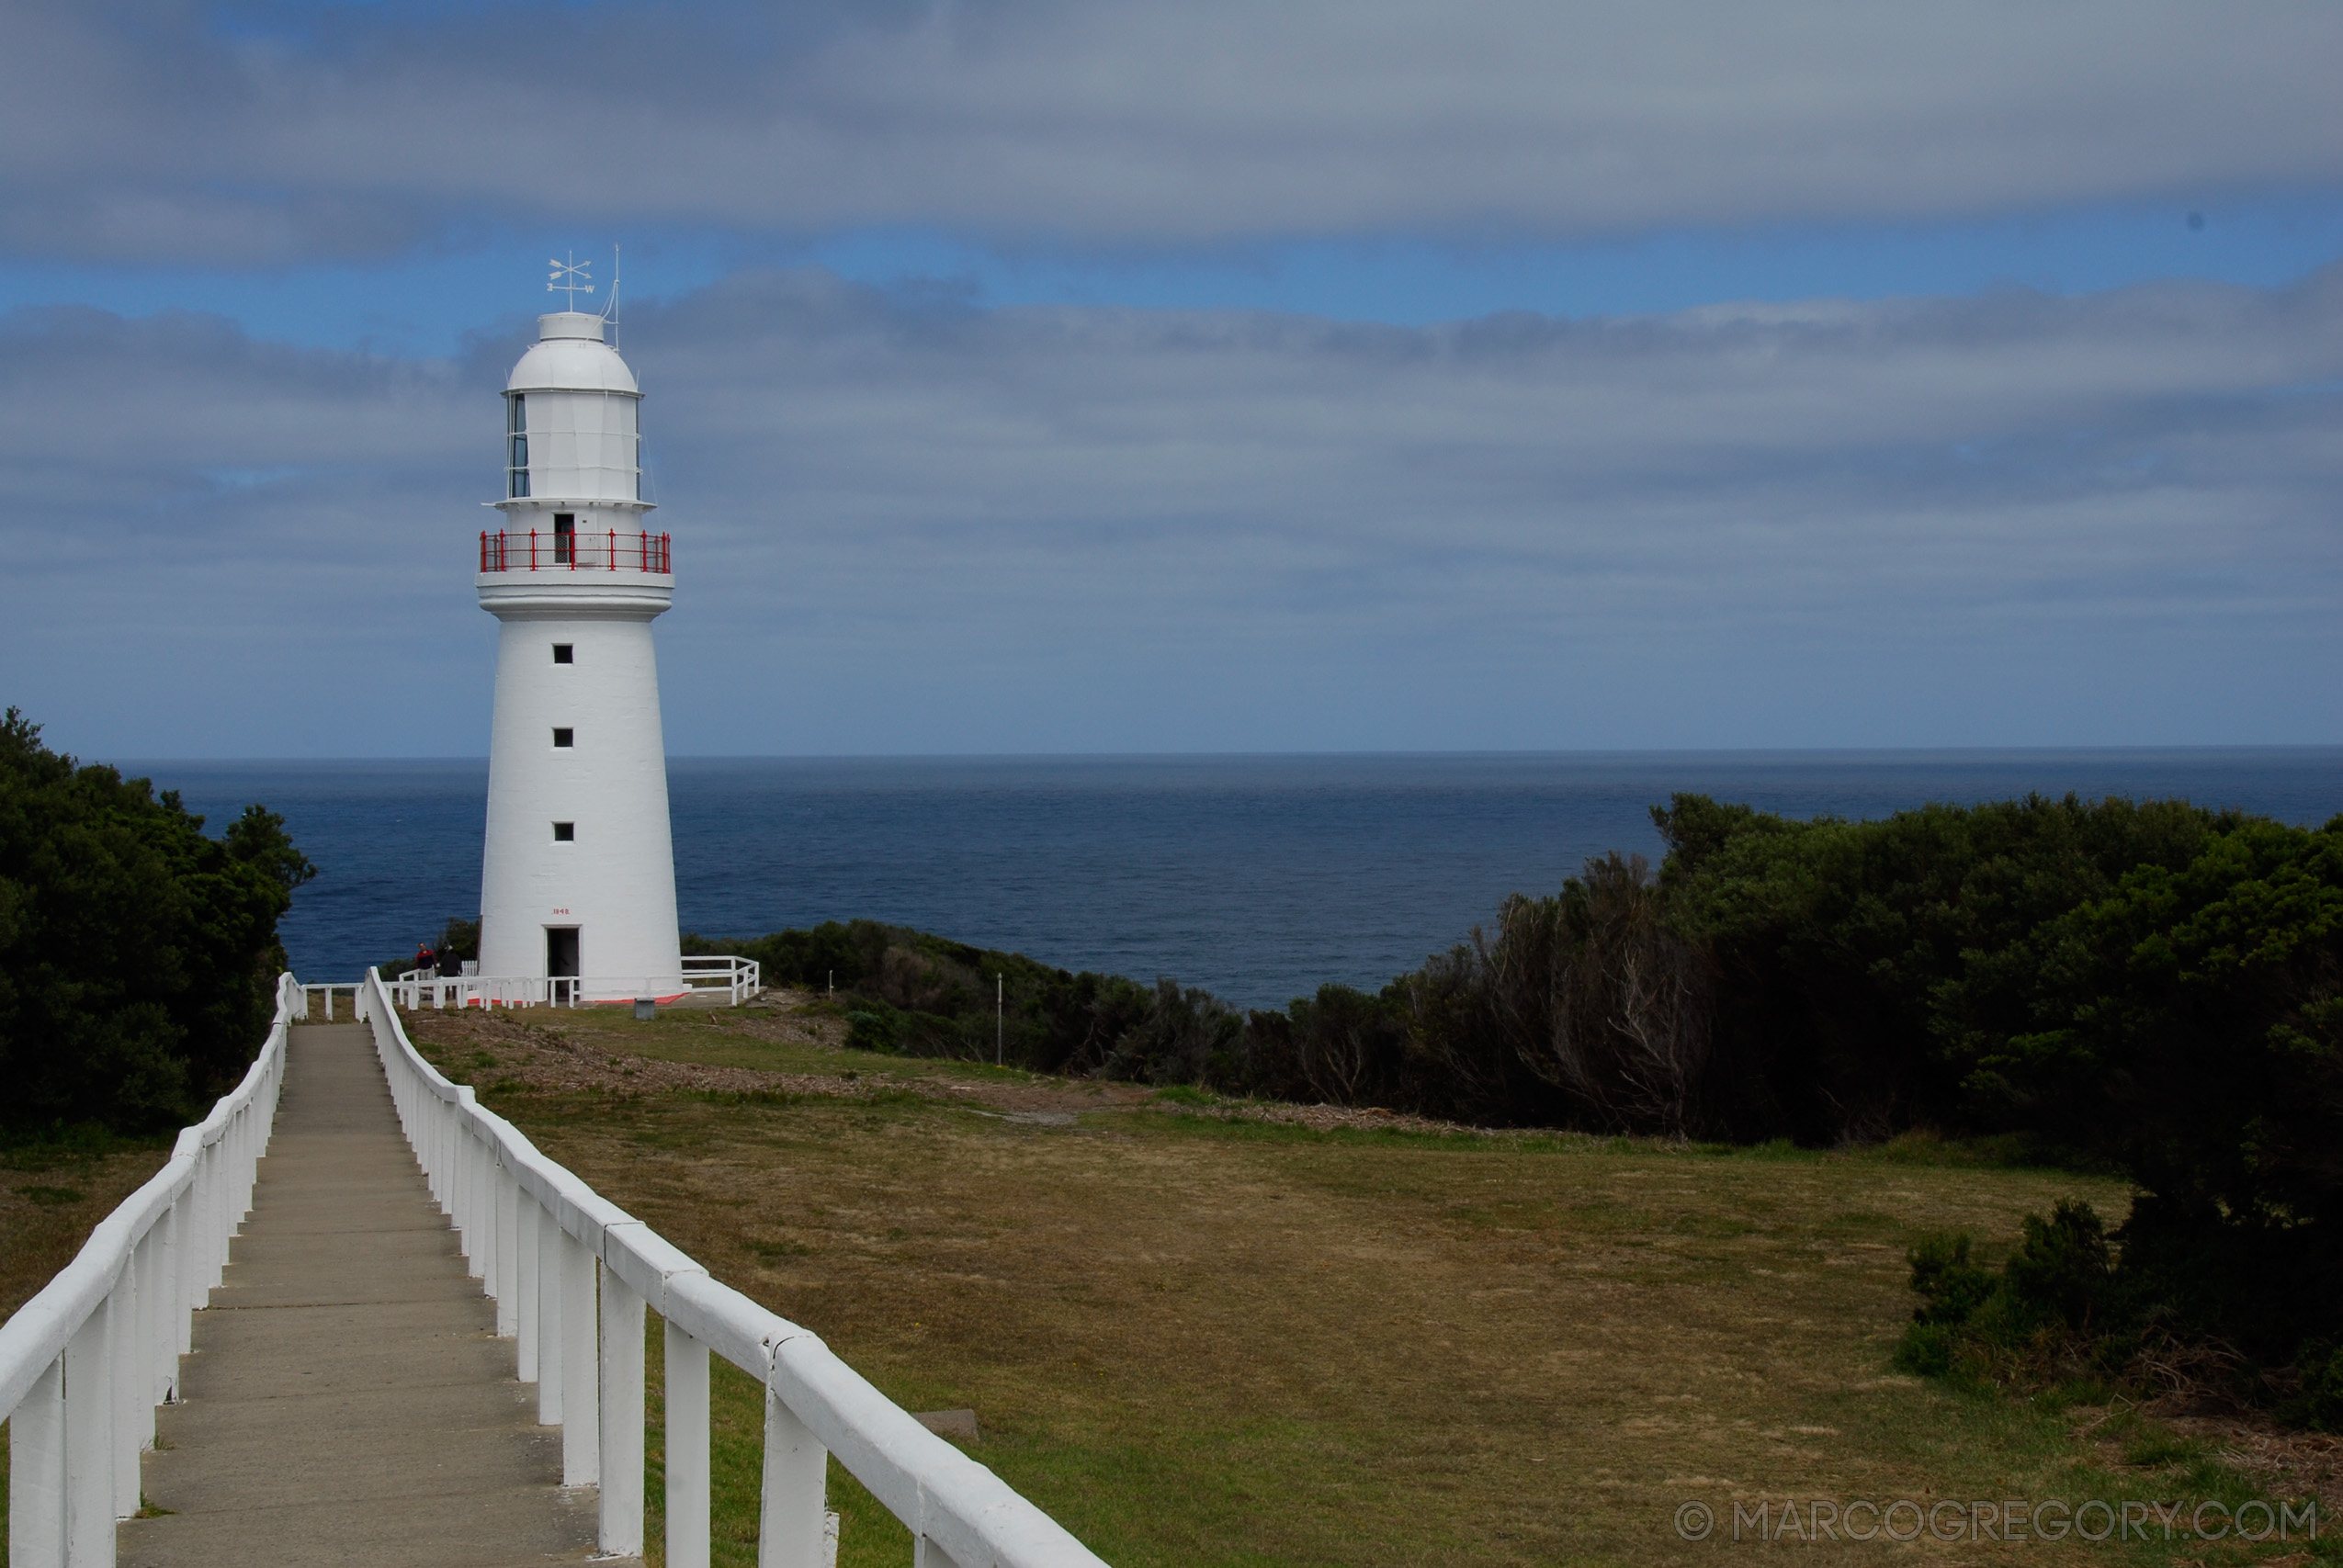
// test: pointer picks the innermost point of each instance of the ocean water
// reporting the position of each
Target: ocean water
(1258, 878)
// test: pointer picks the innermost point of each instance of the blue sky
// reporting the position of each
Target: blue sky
(1196, 376)
(426, 301)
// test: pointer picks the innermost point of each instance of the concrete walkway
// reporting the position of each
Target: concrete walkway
(348, 1400)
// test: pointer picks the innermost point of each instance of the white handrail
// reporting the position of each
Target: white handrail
(571, 1274)
(84, 1363)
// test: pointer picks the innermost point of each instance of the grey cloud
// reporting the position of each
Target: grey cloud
(903, 524)
(123, 128)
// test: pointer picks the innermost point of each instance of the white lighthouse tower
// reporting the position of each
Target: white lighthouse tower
(578, 880)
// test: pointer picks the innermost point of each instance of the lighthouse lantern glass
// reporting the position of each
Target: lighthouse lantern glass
(516, 437)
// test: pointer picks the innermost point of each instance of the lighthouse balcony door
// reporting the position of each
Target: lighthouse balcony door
(565, 539)
(561, 965)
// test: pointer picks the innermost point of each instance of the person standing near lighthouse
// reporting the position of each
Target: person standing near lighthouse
(578, 874)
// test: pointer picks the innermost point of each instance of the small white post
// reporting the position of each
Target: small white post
(126, 1379)
(469, 1215)
(171, 1316)
(185, 1228)
(789, 1519)
(490, 1198)
(552, 1246)
(508, 1225)
(622, 1418)
(37, 1472)
(89, 1446)
(580, 1429)
(687, 1480)
(146, 1361)
(525, 1270)
(441, 1118)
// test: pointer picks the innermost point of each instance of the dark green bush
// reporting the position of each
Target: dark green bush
(2317, 1403)
(869, 1031)
(1949, 1286)
(138, 957)
(2063, 1276)
(1929, 1350)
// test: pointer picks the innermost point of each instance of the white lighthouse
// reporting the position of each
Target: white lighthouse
(578, 879)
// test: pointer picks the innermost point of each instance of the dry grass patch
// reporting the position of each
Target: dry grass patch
(52, 1198)
(1200, 1339)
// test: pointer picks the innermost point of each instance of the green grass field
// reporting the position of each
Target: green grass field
(1197, 1340)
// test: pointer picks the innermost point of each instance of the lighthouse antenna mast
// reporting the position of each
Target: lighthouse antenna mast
(610, 311)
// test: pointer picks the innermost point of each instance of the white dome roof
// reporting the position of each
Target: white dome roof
(570, 357)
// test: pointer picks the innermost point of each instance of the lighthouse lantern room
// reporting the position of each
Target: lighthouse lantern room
(578, 877)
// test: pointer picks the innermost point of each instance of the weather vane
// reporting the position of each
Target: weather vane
(569, 278)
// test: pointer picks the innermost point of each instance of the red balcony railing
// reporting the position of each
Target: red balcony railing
(606, 550)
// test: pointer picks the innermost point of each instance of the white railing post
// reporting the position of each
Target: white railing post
(526, 1217)
(439, 1119)
(508, 1223)
(791, 1514)
(146, 1362)
(187, 1228)
(551, 1247)
(37, 1473)
(489, 1198)
(459, 1182)
(126, 1381)
(89, 1446)
(622, 1418)
(687, 1480)
(167, 1292)
(581, 1432)
(192, 1236)
(225, 1218)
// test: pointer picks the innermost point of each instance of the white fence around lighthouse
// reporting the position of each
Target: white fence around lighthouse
(85, 1363)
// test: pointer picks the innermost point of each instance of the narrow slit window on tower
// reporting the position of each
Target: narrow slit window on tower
(517, 447)
(565, 832)
(561, 737)
(562, 654)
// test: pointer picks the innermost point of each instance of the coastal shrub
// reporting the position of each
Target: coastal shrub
(1951, 1287)
(2062, 1305)
(2316, 1402)
(1188, 1036)
(2063, 1275)
(867, 1030)
(138, 956)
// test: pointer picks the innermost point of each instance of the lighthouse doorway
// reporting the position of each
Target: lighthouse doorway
(562, 951)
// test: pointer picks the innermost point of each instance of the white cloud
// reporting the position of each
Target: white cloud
(903, 525)
(128, 130)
